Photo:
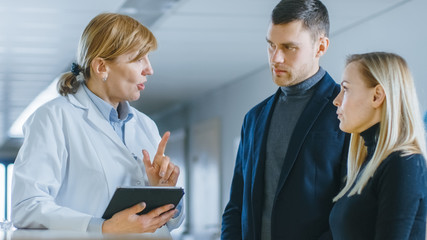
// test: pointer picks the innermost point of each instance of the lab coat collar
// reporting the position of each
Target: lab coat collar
(81, 100)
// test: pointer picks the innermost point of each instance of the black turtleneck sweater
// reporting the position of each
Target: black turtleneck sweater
(393, 204)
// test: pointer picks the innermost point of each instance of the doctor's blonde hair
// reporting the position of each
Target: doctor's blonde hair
(107, 36)
(401, 127)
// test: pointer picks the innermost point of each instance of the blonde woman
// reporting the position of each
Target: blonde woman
(385, 193)
(80, 147)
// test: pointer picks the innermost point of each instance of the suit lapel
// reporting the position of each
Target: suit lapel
(260, 138)
(306, 121)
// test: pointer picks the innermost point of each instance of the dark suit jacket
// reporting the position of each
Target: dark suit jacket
(312, 174)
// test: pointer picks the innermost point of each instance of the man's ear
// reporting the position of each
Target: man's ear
(99, 67)
(379, 96)
(323, 46)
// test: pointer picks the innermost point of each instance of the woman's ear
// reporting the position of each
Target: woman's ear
(99, 67)
(379, 96)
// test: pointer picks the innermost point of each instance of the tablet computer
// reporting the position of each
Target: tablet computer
(154, 197)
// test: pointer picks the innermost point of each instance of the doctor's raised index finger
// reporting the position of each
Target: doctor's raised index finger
(162, 144)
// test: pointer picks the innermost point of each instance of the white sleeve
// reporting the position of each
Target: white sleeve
(176, 221)
(38, 174)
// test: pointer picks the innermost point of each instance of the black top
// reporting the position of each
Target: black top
(393, 203)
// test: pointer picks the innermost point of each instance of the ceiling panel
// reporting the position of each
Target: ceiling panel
(227, 7)
(215, 23)
(59, 6)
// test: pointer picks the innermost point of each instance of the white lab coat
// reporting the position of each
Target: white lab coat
(72, 161)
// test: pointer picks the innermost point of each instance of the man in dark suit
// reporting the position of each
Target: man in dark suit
(291, 160)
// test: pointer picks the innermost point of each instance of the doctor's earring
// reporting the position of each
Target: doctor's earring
(104, 79)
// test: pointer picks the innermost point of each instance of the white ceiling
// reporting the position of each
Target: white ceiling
(203, 44)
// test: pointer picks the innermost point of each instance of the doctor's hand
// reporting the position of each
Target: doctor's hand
(128, 221)
(162, 172)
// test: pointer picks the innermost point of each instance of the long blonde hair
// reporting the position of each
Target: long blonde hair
(107, 36)
(401, 127)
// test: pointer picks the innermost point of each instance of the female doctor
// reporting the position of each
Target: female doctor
(81, 146)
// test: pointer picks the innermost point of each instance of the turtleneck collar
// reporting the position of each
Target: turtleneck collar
(370, 136)
(302, 87)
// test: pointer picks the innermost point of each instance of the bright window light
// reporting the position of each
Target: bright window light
(2, 192)
(9, 191)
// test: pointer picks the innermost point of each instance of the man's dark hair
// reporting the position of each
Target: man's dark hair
(312, 13)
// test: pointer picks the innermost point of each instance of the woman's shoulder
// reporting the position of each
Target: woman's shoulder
(51, 109)
(402, 158)
(399, 163)
(56, 103)
(406, 174)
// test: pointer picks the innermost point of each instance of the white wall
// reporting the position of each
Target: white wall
(396, 30)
